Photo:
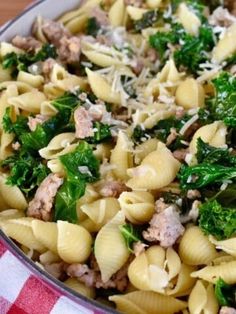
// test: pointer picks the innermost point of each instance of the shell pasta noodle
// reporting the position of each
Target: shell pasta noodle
(118, 152)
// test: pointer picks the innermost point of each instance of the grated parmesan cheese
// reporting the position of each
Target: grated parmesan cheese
(188, 124)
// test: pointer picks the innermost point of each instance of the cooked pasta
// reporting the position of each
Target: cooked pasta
(117, 152)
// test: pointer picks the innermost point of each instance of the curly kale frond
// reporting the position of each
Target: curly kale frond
(217, 220)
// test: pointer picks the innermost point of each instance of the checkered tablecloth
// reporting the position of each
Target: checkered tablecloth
(23, 292)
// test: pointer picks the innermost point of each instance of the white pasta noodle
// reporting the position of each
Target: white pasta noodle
(107, 238)
(117, 152)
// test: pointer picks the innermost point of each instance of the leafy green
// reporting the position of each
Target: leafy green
(18, 127)
(193, 50)
(66, 198)
(44, 132)
(102, 133)
(160, 40)
(225, 294)
(148, 19)
(21, 62)
(223, 105)
(217, 220)
(212, 155)
(162, 130)
(26, 171)
(66, 102)
(204, 174)
(81, 166)
(130, 235)
(92, 27)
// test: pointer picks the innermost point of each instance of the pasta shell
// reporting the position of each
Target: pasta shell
(11, 214)
(189, 252)
(17, 199)
(108, 238)
(226, 46)
(226, 271)
(101, 211)
(101, 88)
(228, 246)
(20, 230)
(79, 287)
(188, 19)
(146, 273)
(74, 242)
(46, 233)
(138, 206)
(147, 302)
(117, 13)
(156, 171)
(48, 258)
(28, 101)
(213, 134)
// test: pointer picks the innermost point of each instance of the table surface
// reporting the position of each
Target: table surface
(11, 8)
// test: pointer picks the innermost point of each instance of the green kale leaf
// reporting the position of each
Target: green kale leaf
(217, 220)
(66, 198)
(225, 294)
(18, 127)
(212, 155)
(81, 167)
(130, 234)
(21, 62)
(66, 102)
(148, 19)
(204, 174)
(26, 171)
(92, 27)
(102, 133)
(223, 105)
(192, 51)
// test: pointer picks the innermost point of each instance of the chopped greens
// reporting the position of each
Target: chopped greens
(66, 102)
(26, 171)
(81, 166)
(204, 174)
(21, 62)
(92, 27)
(223, 105)
(18, 127)
(130, 235)
(191, 50)
(225, 293)
(148, 19)
(209, 154)
(101, 134)
(217, 220)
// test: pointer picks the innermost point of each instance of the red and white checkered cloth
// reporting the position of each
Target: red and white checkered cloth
(22, 292)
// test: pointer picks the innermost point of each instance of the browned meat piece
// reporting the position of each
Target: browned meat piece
(222, 17)
(137, 68)
(83, 123)
(26, 43)
(152, 54)
(192, 194)
(54, 32)
(172, 136)
(100, 15)
(38, 119)
(139, 248)
(160, 205)
(55, 269)
(69, 49)
(165, 227)
(92, 276)
(227, 310)
(180, 154)
(48, 65)
(41, 205)
(112, 189)
(96, 112)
